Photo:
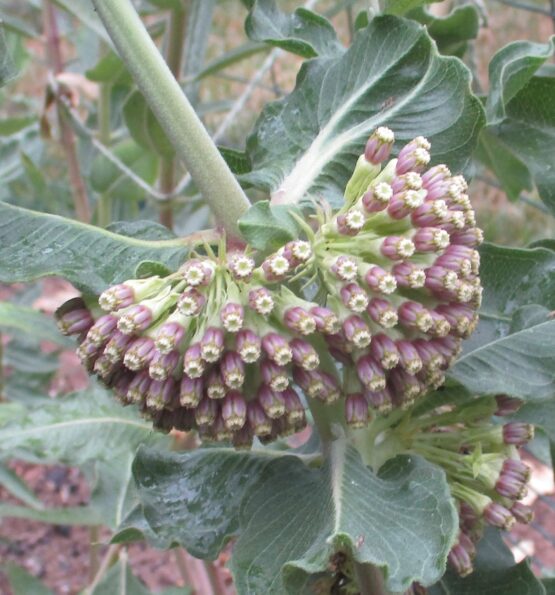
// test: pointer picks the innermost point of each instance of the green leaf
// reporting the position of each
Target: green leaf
(35, 324)
(107, 178)
(72, 515)
(231, 57)
(11, 126)
(452, 32)
(22, 583)
(120, 579)
(238, 161)
(36, 245)
(402, 520)
(400, 7)
(144, 127)
(18, 488)
(517, 143)
(168, 4)
(304, 32)
(512, 352)
(267, 227)
(307, 144)
(8, 70)
(495, 573)
(109, 69)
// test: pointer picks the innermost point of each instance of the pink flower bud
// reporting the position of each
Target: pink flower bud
(380, 400)
(354, 297)
(430, 214)
(300, 321)
(407, 274)
(169, 337)
(408, 357)
(234, 410)
(138, 388)
(459, 559)
(436, 176)
(379, 145)
(468, 237)
(135, 319)
(104, 367)
(162, 393)
(75, 321)
(517, 433)
(414, 315)
(215, 387)
(497, 515)
(294, 409)
(233, 370)
(102, 330)
(370, 373)
(276, 377)
(241, 266)
(261, 301)
(277, 349)
(439, 279)
(408, 181)
(193, 365)
(271, 401)
(507, 405)
(404, 203)
(212, 344)
(413, 157)
(356, 410)
(383, 313)
(326, 320)
(429, 354)
(430, 239)
(163, 365)
(380, 280)
(377, 197)
(397, 247)
(522, 513)
(206, 412)
(384, 351)
(139, 354)
(510, 486)
(258, 420)
(191, 302)
(198, 272)
(404, 386)
(304, 355)
(248, 345)
(190, 392)
(345, 268)
(117, 346)
(275, 267)
(357, 331)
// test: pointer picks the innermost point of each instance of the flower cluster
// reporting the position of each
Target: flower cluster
(227, 344)
(481, 460)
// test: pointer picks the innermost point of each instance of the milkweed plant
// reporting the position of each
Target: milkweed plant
(350, 375)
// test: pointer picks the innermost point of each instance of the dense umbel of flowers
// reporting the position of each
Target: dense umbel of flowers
(481, 460)
(227, 345)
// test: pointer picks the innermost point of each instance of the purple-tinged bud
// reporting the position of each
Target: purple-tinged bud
(431, 357)
(198, 272)
(407, 274)
(297, 252)
(242, 439)
(507, 405)
(460, 317)
(138, 388)
(117, 297)
(404, 203)
(326, 320)
(467, 514)
(102, 330)
(449, 347)
(380, 280)
(460, 560)
(469, 218)
(169, 337)
(356, 410)
(232, 369)
(121, 387)
(234, 410)
(377, 197)
(105, 367)
(404, 386)
(408, 357)
(380, 400)
(412, 157)
(75, 322)
(161, 393)
(454, 220)
(220, 431)
(258, 420)
(87, 353)
(117, 346)
(517, 433)
(261, 301)
(193, 365)
(275, 267)
(440, 326)
(379, 145)
(430, 214)
(430, 239)
(248, 346)
(206, 412)
(457, 263)
(300, 321)
(408, 181)
(271, 401)
(518, 468)
(345, 268)
(384, 351)
(190, 391)
(522, 513)
(357, 331)
(276, 377)
(344, 228)
(332, 391)
(135, 319)
(191, 302)
(215, 387)
(311, 382)
(232, 317)
(435, 176)
(371, 374)
(340, 355)
(139, 354)
(471, 237)
(440, 279)
(354, 297)
(497, 515)
(467, 544)
(241, 266)
(415, 315)
(510, 486)
(383, 313)
(304, 355)
(212, 344)
(294, 409)
(397, 247)
(354, 219)
(163, 365)
(277, 349)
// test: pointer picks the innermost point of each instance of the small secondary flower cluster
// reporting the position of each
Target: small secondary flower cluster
(224, 345)
(482, 463)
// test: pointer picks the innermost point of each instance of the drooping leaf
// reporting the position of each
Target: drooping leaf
(304, 32)
(511, 351)
(495, 573)
(516, 145)
(22, 582)
(36, 245)
(267, 227)
(453, 31)
(107, 178)
(307, 143)
(144, 127)
(30, 322)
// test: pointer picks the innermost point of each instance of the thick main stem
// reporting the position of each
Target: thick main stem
(174, 112)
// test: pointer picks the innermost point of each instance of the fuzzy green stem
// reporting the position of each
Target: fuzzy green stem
(174, 112)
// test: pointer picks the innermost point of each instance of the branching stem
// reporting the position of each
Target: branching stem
(174, 112)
